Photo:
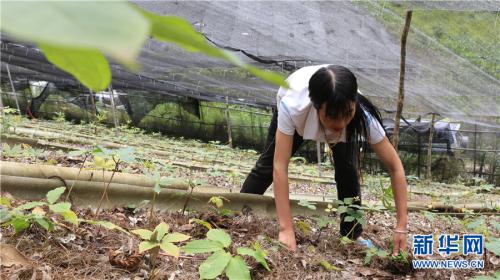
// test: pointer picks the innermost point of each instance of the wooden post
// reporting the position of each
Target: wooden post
(494, 160)
(228, 120)
(13, 89)
(475, 149)
(318, 151)
(401, 95)
(92, 101)
(113, 108)
(429, 147)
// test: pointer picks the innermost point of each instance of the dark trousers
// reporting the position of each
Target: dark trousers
(346, 175)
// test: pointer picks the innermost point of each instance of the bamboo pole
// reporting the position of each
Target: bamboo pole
(401, 95)
(429, 147)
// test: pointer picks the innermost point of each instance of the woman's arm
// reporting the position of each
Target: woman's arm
(282, 154)
(386, 152)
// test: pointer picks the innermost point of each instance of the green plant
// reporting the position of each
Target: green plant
(60, 117)
(157, 182)
(106, 159)
(158, 239)
(222, 261)
(218, 205)
(372, 252)
(401, 257)
(7, 120)
(20, 219)
(307, 203)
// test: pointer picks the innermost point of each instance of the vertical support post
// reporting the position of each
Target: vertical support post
(318, 151)
(13, 89)
(475, 149)
(401, 95)
(429, 147)
(113, 108)
(419, 147)
(228, 121)
(92, 101)
(494, 160)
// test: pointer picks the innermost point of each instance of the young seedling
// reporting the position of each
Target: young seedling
(372, 252)
(105, 159)
(158, 239)
(218, 204)
(20, 220)
(308, 204)
(158, 182)
(86, 154)
(222, 261)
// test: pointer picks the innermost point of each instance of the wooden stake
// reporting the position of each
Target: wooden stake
(401, 95)
(228, 120)
(429, 147)
(113, 108)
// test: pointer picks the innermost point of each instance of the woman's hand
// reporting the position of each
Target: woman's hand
(287, 237)
(399, 238)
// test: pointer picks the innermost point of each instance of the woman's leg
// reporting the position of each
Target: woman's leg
(261, 176)
(346, 177)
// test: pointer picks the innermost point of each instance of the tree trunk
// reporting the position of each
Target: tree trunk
(401, 95)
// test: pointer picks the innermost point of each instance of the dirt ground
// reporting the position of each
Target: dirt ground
(83, 252)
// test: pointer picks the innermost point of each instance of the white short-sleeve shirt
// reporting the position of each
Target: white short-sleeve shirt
(296, 112)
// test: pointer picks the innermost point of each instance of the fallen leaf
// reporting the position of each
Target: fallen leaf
(10, 256)
(130, 263)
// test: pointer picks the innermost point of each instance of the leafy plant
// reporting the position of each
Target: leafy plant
(372, 252)
(106, 159)
(157, 182)
(60, 117)
(221, 261)
(218, 204)
(158, 239)
(19, 219)
(307, 203)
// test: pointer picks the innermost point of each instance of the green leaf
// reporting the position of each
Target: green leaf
(146, 245)
(349, 218)
(4, 215)
(70, 217)
(5, 201)
(328, 266)
(170, 249)
(220, 236)
(20, 223)
(89, 66)
(259, 255)
(126, 155)
(161, 229)
(29, 205)
(46, 224)
(53, 195)
(201, 222)
(143, 233)
(60, 207)
(76, 153)
(179, 31)
(214, 265)
(341, 209)
(114, 27)
(202, 246)
(108, 225)
(175, 237)
(237, 269)
(493, 246)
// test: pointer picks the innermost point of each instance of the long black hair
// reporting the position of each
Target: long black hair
(337, 87)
